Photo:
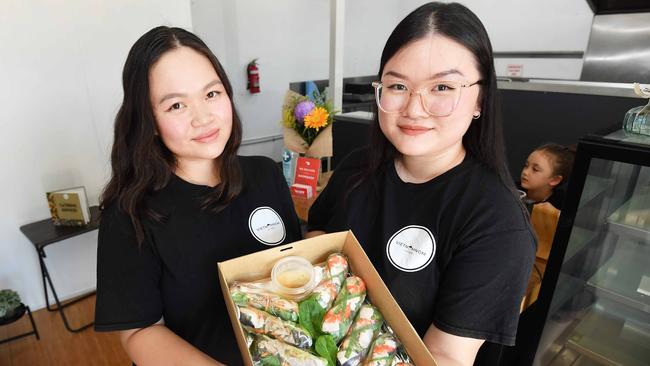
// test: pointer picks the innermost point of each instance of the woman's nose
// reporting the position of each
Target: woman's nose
(202, 115)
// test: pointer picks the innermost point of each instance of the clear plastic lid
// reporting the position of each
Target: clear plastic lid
(293, 276)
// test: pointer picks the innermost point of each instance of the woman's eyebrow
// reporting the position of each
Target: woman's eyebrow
(212, 83)
(181, 95)
(170, 96)
(432, 77)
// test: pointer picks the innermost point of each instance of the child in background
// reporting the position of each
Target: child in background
(545, 171)
(543, 177)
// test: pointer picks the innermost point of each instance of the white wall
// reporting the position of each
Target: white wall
(60, 67)
(291, 40)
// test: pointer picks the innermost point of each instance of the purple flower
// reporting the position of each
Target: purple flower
(302, 109)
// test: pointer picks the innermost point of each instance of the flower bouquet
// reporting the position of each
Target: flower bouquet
(307, 124)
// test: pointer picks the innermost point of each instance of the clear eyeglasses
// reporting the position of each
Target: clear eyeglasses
(438, 98)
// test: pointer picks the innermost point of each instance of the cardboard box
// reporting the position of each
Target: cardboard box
(258, 266)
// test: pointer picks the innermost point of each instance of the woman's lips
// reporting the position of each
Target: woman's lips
(414, 130)
(207, 137)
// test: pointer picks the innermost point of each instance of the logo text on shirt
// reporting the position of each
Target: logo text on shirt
(411, 248)
(266, 226)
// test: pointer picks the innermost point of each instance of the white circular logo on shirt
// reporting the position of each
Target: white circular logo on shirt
(266, 226)
(411, 248)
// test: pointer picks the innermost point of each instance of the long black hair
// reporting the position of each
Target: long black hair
(140, 161)
(484, 138)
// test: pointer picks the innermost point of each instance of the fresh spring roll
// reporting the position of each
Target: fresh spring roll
(357, 342)
(260, 322)
(244, 295)
(382, 351)
(337, 265)
(286, 355)
(325, 293)
(335, 271)
(338, 319)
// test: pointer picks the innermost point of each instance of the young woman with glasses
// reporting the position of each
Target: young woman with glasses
(431, 199)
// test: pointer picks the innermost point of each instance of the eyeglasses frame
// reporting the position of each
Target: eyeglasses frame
(379, 84)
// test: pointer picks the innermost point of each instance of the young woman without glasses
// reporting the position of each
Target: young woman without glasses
(179, 200)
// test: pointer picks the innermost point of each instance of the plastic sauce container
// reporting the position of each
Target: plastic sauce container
(293, 277)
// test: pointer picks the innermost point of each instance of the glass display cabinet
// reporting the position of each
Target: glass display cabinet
(594, 303)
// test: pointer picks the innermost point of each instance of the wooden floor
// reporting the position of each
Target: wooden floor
(57, 346)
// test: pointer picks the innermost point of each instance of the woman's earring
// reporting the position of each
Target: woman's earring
(476, 116)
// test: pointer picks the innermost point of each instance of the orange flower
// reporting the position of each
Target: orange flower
(317, 118)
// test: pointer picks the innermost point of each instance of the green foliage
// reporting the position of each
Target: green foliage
(9, 300)
(310, 315)
(326, 348)
(311, 319)
(239, 298)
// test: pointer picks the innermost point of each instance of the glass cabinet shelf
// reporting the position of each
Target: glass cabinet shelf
(595, 309)
(625, 277)
(608, 335)
(633, 218)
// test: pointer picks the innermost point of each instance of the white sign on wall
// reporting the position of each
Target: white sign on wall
(515, 70)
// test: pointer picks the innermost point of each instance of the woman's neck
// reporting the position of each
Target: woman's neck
(421, 169)
(539, 195)
(199, 172)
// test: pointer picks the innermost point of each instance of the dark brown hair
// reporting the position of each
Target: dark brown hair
(141, 163)
(561, 158)
(484, 138)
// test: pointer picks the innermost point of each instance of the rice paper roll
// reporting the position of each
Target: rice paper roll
(383, 351)
(338, 319)
(325, 293)
(355, 346)
(260, 322)
(248, 296)
(267, 348)
(337, 265)
(332, 275)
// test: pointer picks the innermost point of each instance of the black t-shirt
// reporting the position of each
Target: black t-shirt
(173, 275)
(455, 251)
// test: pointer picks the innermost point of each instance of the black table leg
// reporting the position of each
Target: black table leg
(31, 319)
(59, 307)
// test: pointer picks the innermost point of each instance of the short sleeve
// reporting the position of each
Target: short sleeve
(482, 287)
(128, 276)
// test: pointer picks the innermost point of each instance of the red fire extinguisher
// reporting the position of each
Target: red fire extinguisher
(253, 77)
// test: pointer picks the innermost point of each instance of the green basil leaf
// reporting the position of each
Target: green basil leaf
(326, 348)
(310, 316)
